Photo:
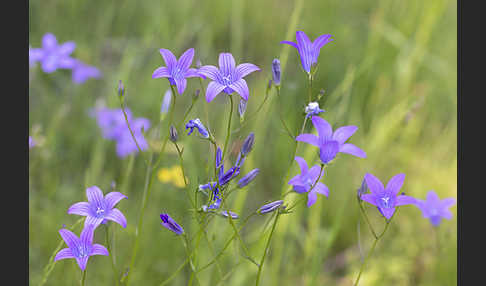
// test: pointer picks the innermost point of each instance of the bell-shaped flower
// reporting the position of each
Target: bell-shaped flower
(308, 177)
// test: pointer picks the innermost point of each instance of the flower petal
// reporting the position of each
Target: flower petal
(63, 254)
(112, 198)
(169, 58)
(67, 48)
(213, 89)
(445, 213)
(72, 241)
(432, 197)
(86, 236)
(226, 63)
(290, 43)
(117, 216)
(185, 60)
(323, 127)
(349, 148)
(91, 220)
(82, 262)
(387, 212)
(295, 180)
(314, 172)
(192, 73)
(181, 85)
(211, 72)
(311, 198)
(328, 151)
(395, 184)
(308, 138)
(369, 198)
(343, 133)
(319, 42)
(241, 88)
(81, 208)
(322, 189)
(374, 184)
(448, 202)
(302, 164)
(49, 41)
(161, 72)
(99, 249)
(245, 69)
(306, 50)
(95, 195)
(404, 200)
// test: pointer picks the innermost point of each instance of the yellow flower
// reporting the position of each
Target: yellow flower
(171, 175)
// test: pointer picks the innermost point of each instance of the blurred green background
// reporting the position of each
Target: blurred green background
(391, 70)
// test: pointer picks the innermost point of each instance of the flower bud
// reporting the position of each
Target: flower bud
(170, 224)
(270, 207)
(276, 71)
(362, 189)
(225, 214)
(173, 134)
(121, 88)
(248, 178)
(242, 109)
(248, 144)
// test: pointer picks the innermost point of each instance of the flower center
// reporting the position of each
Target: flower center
(82, 252)
(226, 80)
(385, 202)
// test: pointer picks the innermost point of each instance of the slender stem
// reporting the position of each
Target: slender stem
(310, 88)
(260, 267)
(175, 273)
(110, 251)
(189, 254)
(130, 129)
(280, 115)
(366, 218)
(83, 277)
(229, 125)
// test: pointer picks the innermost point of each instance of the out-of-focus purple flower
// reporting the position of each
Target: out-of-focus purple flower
(248, 144)
(80, 248)
(270, 207)
(434, 208)
(308, 50)
(228, 78)
(177, 70)
(196, 123)
(82, 72)
(248, 178)
(114, 127)
(330, 143)
(313, 109)
(32, 142)
(276, 71)
(99, 207)
(225, 214)
(386, 199)
(308, 177)
(53, 56)
(170, 224)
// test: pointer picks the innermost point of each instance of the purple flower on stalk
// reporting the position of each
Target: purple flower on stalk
(308, 177)
(386, 199)
(308, 50)
(80, 248)
(434, 208)
(330, 143)
(99, 208)
(313, 109)
(196, 123)
(82, 72)
(170, 224)
(270, 207)
(114, 127)
(228, 78)
(177, 70)
(53, 56)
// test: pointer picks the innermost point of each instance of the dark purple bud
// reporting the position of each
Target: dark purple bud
(173, 134)
(363, 189)
(219, 157)
(248, 178)
(170, 224)
(230, 174)
(276, 71)
(225, 214)
(248, 144)
(270, 207)
(269, 86)
(121, 88)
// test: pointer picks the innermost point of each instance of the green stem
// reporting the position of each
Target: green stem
(83, 277)
(310, 88)
(189, 254)
(229, 126)
(280, 114)
(110, 251)
(366, 218)
(260, 267)
(130, 129)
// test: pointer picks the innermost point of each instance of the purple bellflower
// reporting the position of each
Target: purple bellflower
(99, 208)
(270, 207)
(170, 224)
(330, 143)
(386, 199)
(53, 56)
(308, 177)
(82, 72)
(313, 109)
(196, 123)
(308, 51)
(114, 127)
(80, 248)
(228, 78)
(177, 70)
(434, 208)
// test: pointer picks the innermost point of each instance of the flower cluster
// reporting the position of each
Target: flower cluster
(53, 56)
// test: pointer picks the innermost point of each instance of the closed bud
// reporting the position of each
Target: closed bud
(362, 189)
(225, 214)
(248, 144)
(270, 207)
(276, 71)
(242, 109)
(248, 178)
(121, 88)
(173, 134)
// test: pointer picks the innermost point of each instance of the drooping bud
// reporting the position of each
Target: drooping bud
(248, 178)
(276, 71)
(173, 134)
(270, 207)
(248, 144)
